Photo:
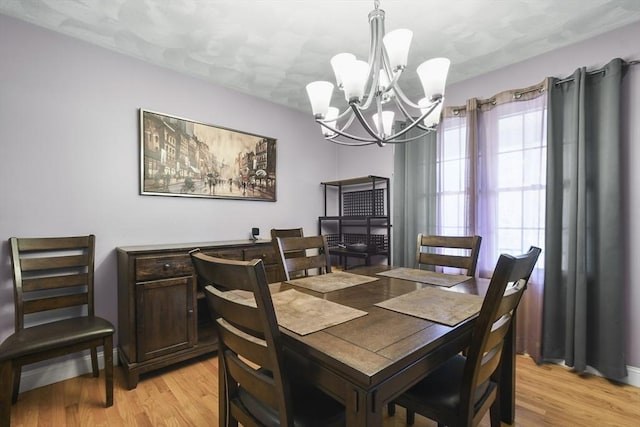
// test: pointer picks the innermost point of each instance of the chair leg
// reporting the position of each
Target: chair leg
(17, 372)
(391, 409)
(94, 362)
(6, 390)
(411, 417)
(108, 369)
(494, 412)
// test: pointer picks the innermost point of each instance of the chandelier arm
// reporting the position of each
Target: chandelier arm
(402, 108)
(393, 82)
(341, 132)
(343, 114)
(366, 126)
(350, 143)
(349, 121)
(413, 124)
(413, 138)
(404, 97)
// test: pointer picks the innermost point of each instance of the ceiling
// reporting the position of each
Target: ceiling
(272, 49)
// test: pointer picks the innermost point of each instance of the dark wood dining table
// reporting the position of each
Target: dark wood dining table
(367, 362)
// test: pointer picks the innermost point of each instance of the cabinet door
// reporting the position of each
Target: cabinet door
(166, 320)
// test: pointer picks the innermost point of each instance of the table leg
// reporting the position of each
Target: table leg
(363, 409)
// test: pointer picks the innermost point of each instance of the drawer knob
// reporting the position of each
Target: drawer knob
(167, 266)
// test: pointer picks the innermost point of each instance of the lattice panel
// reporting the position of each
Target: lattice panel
(359, 203)
(378, 240)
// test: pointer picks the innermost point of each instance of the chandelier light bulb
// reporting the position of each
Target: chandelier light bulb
(432, 118)
(332, 115)
(433, 76)
(387, 122)
(397, 44)
(340, 64)
(354, 80)
(319, 94)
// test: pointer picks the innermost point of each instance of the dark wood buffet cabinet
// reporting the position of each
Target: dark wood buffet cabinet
(162, 316)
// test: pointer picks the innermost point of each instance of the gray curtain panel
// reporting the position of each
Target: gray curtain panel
(414, 195)
(583, 312)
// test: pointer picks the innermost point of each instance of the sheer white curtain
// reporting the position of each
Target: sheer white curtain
(491, 169)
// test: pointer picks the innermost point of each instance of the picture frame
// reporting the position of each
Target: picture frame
(185, 158)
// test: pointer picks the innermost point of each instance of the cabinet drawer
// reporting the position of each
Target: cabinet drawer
(235, 254)
(266, 253)
(161, 267)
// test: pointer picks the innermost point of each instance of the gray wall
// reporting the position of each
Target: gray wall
(69, 155)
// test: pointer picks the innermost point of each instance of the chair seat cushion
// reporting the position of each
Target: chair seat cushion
(441, 388)
(311, 408)
(53, 335)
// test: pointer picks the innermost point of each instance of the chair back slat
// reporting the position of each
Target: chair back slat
(54, 303)
(286, 232)
(238, 311)
(455, 261)
(507, 285)
(244, 343)
(54, 243)
(430, 251)
(54, 282)
(250, 342)
(489, 363)
(256, 382)
(316, 256)
(56, 262)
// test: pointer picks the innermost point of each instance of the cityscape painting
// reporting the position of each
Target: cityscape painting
(180, 157)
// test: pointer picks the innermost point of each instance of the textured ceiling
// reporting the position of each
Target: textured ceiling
(272, 49)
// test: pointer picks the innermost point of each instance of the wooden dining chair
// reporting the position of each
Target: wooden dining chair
(257, 387)
(460, 391)
(287, 232)
(316, 255)
(437, 251)
(53, 284)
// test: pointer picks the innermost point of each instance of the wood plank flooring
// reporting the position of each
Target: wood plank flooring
(187, 395)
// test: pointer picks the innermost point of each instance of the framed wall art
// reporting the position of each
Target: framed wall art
(181, 157)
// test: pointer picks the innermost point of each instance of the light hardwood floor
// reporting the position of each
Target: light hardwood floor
(187, 395)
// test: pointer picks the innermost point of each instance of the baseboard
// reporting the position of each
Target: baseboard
(60, 371)
(633, 376)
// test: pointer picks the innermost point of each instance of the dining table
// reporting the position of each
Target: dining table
(371, 359)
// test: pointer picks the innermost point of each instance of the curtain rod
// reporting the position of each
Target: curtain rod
(597, 71)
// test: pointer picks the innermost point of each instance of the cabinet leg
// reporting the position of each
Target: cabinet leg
(132, 379)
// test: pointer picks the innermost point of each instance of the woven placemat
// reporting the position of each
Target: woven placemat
(305, 314)
(331, 281)
(425, 276)
(437, 305)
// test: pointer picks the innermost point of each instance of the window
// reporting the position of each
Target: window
(498, 193)
(451, 169)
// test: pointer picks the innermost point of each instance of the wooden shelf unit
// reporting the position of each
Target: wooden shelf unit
(363, 206)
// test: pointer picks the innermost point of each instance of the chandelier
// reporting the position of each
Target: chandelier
(368, 86)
